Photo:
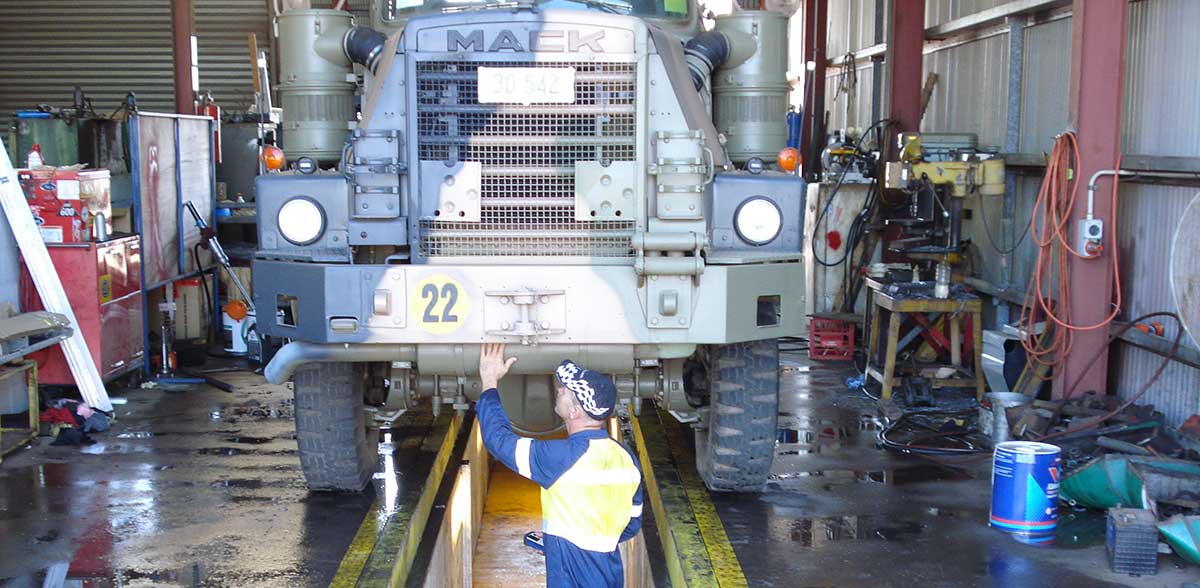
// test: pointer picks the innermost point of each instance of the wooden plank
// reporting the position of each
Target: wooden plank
(889, 367)
(37, 258)
(977, 340)
(956, 340)
(252, 42)
(927, 91)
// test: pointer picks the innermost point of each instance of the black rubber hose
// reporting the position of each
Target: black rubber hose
(364, 46)
(712, 48)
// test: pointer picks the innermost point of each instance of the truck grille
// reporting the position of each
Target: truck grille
(528, 156)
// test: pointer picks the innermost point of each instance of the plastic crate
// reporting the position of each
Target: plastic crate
(830, 339)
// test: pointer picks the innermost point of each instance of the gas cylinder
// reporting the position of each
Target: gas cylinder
(208, 107)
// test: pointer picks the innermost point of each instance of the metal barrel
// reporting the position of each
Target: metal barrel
(1025, 490)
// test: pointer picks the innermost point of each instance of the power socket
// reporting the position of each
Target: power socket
(1089, 230)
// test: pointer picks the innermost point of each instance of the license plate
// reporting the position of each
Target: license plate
(526, 85)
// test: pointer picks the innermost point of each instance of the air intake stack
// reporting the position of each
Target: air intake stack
(750, 97)
(317, 84)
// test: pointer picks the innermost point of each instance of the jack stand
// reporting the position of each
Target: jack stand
(166, 371)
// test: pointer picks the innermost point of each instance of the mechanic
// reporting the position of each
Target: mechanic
(591, 484)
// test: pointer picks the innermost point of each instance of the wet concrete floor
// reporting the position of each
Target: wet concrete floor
(840, 513)
(191, 487)
(198, 487)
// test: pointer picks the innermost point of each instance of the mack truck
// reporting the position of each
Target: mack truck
(583, 179)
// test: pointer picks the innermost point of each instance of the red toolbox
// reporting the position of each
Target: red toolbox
(830, 339)
(103, 282)
(65, 202)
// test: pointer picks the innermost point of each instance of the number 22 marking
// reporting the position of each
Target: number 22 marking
(449, 292)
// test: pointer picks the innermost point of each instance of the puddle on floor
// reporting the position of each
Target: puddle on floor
(821, 531)
(238, 483)
(898, 476)
(250, 440)
(1079, 529)
(253, 409)
(95, 574)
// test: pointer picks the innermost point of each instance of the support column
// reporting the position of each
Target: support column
(904, 56)
(1098, 39)
(816, 26)
(1012, 144)
(183, 45)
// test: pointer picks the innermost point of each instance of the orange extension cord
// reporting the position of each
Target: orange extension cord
(1055, 201)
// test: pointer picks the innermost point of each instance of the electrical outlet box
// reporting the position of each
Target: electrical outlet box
(1089, 230)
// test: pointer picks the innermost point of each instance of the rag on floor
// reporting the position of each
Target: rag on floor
(70, 421)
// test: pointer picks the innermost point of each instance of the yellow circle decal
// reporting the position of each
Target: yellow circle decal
(439, 304)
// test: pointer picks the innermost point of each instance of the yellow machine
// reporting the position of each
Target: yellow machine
(938, 175)
(965, 177)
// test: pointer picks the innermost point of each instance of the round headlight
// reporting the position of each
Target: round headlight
(301, 220)
(758, 221)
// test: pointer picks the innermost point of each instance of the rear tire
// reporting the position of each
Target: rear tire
(743, 385)
(331, 427)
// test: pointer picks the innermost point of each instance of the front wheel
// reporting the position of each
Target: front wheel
(331, 427)
(743, 388)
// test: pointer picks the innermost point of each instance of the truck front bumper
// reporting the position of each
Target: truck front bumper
(564, 305)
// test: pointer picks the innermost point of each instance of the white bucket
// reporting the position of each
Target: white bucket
(234, 331)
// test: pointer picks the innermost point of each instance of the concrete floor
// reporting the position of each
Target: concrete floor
(202, 488)
(189, 488)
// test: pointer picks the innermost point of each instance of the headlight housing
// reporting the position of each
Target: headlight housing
(301, 220)
(758, 220)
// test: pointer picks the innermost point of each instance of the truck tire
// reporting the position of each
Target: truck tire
(331, 428)
(743, 386)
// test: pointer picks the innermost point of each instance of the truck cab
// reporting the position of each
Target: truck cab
(583, 179)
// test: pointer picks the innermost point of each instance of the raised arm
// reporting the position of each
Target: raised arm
(541, 461)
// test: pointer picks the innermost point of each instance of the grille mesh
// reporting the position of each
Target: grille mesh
(528, 154)
(558, 239)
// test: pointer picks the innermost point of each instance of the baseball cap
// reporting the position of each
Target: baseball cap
(595, 391)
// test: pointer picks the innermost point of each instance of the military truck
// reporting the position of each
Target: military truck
(584, 179)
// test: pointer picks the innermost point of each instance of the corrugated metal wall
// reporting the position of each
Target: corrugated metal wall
(1162, 90)
(849, 96)
(1162, 111)
(111, 47)
(1046, 84)
(969, 96)
(851, 26)
(223, 28)
(1161, 114)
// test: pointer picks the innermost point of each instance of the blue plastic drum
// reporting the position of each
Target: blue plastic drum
(1025, 489)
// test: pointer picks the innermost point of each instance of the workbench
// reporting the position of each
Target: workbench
(892, 306)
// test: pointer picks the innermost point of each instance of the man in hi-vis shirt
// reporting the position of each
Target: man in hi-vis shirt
(591, 484)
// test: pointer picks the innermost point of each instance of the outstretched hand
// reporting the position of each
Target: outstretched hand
(492, 365)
